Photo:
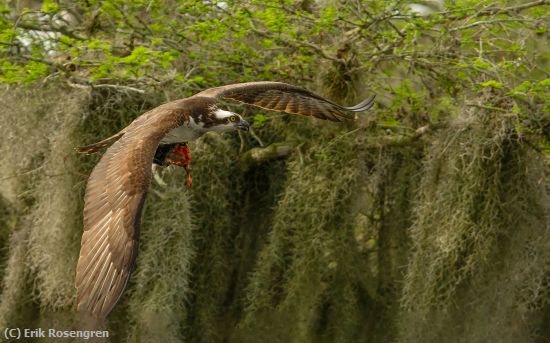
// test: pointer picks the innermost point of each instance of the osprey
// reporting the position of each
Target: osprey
(118, 184)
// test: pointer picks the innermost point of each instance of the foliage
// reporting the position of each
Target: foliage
(303, 257)
(478, 216)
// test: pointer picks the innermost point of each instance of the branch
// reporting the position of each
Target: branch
(63, 30)
(406, 140)
(491, 11)
(517, 8)
(257, 156)
(488, 22)
(9, 43)
(116, 87)
(294, 43)
(490, 108)
(255, 136)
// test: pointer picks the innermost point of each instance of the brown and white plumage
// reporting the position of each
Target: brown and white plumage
(113, 202)
(117, 186)
(282, 97)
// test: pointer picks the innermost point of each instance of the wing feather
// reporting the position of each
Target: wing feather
(282, 97)
(113, 203)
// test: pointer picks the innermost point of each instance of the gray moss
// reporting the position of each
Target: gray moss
(347, 239)
(160, 284)
(480, 237)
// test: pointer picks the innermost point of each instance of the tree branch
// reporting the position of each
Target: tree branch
(489, 22)
(257, 156)
(116, 87)
(63, 30)
(516, 8)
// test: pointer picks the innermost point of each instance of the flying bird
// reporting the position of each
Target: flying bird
(118, 184)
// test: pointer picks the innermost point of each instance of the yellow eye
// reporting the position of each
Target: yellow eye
(233, 119)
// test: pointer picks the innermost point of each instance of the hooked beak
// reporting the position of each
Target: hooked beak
(243, 125)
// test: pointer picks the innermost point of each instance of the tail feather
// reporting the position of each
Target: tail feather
(90, 149)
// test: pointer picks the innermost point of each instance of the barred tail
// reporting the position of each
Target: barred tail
(90, 149)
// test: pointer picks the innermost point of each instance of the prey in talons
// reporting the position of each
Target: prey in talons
(178, 154)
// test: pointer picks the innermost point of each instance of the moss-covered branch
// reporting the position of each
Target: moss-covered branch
(257, 156)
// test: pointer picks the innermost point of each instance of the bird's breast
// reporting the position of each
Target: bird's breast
(181, 134)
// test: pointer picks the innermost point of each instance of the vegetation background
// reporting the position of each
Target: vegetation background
(426, 220)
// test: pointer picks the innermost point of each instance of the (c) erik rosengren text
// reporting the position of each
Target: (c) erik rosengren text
(19, 333)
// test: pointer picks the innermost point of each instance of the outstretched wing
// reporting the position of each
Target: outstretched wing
(282, 97)
(114, 198)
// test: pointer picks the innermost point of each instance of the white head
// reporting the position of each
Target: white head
(219, 120)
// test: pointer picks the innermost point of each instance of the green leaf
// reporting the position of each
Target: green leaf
(259, 121)
(544, 84)
(390, 122)
(492, 84)
(522, 88)
(50, 7)
(481, 64)
(32, 71)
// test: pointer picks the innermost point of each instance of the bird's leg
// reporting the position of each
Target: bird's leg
(181, 156)
(184, 150)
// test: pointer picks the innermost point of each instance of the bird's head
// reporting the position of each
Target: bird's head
(219, 120)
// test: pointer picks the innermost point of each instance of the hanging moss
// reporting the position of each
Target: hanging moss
(290, 292)
(215, 182)
(160, 284)
(54, 216)
(346, 240)
(38, 175)
(8, 219)
(16, 306)
(480, 237)
(385, 205)
(340, 78)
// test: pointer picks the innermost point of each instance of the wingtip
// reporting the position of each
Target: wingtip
(94, 312)
(89, 320)
(363, 105)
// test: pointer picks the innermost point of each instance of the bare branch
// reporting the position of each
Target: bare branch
(516, 8)
(296, 43)
(121, 88)
(490, 22)
(257, 156)
(63, 30)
